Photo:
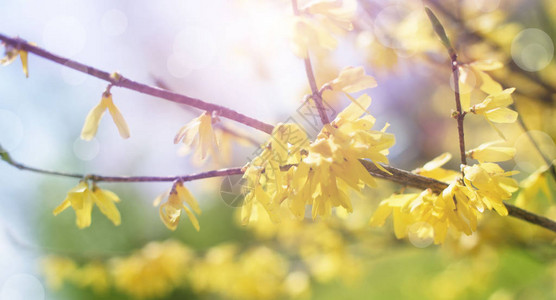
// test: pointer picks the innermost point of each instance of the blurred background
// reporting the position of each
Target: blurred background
(238, 54)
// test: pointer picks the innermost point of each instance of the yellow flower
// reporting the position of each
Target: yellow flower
(11, 54)
(313, 29)
(494, 108)
(533, 185)
(429, 215)
(433, 169)
(152, 272)
(352, 80)
(492, 185)
(81, 199)
(93, 118)
(200, 128)
(326, 169)
(93, 275)
(56, 270)
(473, 74)
(257, 273)
(487, 152)
(170, 211)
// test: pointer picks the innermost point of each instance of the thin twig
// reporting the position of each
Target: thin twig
(536, 145)
(316, 96)
(139, 87)
(534, 77)
(459, 115)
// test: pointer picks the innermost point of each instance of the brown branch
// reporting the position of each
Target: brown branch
(225, 128)
(139, 87)
(534, 77)
(316, 96)
(97, 178)
(417, 181)
(403, 177)
(460, 114)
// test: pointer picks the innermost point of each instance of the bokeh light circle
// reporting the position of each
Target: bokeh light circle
(12, 130)
(385, 21)
(86, 150)
(22, 287)
(527, 157)
(532, 49)
(113, 22)
(65, 36)
(421, 234)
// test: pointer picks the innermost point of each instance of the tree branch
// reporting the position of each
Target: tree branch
(316, 95)
(139, 87)
(398, 175)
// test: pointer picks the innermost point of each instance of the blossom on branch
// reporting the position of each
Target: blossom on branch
(93, 118)
(81, 198)
(179, 198)
(199, 132)
(313, 29)
(11, 54)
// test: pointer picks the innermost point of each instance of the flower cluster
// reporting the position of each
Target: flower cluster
(484, 187)
(291, 171)
(159, 268)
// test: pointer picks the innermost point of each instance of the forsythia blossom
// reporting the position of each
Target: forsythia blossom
(179, 198)
(93, 118)
(154, 271)
(12, 53)
(536, 183)
(314, 27)
(321, 173)
(485, 185)
(494, 108)
(488, 152)
(200, 132)
(81, 198)
(353, 79)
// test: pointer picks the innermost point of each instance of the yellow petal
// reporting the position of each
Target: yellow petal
(488, 85)
(188, 198)
(83, 207)
(501, 115)
(207, 139)
(187, 132)
(23, 56)
(160, 197)
(117, 117)
(352, 80)
(92, 121)
(437, 162)
(381, 214)
(465, 100)
(487, 65)
(355, 110)
(65, 204)
(169, 215)
(489, 153)
(105, 202)
(192, 218)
